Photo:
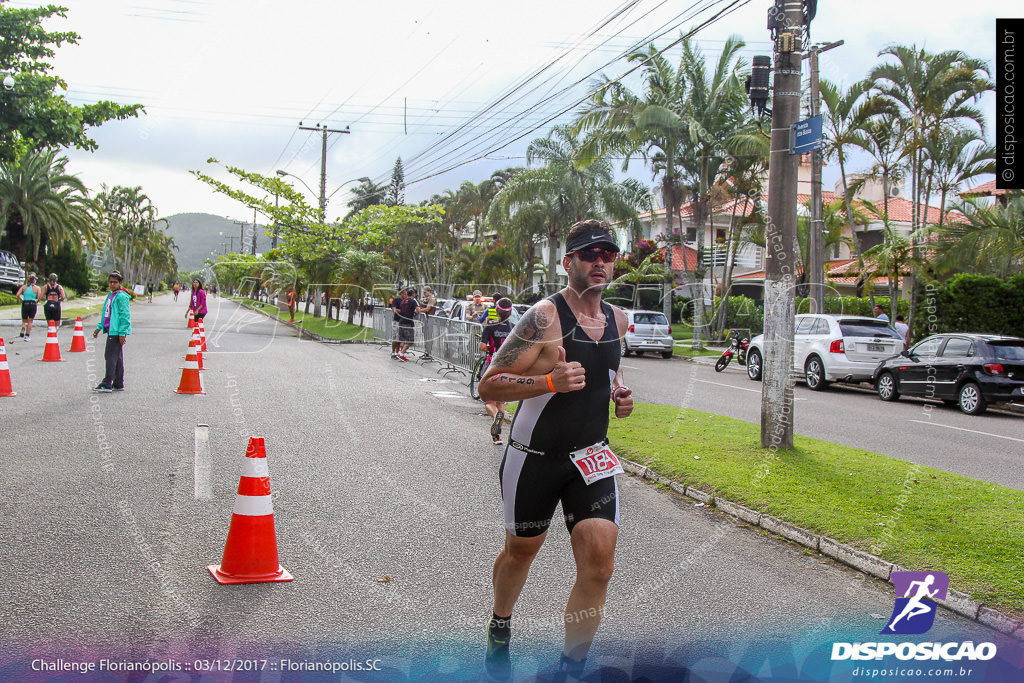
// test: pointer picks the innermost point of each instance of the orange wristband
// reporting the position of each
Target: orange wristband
(550, 385)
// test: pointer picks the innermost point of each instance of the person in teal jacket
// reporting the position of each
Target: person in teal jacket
(116, 321)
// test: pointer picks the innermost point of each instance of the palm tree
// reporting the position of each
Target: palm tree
(957, 156)
(568, 191)
(929, 91)
(990, 241)
(846, 115)
(882, 138)
(42, 205)
(891, 257)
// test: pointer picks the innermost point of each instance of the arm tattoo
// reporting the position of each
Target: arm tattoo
(512, 379)
(528, 331)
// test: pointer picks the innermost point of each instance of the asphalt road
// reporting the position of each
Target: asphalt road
(989, 447)
(388, 514)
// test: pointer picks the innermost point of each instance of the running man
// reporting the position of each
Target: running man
(914, 606)
(562, 363)
(491, 339)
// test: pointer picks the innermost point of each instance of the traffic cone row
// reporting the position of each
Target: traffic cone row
(250, 552)
(5, 374)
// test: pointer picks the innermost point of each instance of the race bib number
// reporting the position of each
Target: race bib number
(596, 462)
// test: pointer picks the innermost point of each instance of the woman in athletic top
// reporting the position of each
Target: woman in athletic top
(54, 294)
(29, 294)
(197, 304)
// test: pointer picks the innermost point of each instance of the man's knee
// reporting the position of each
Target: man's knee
(522, 550)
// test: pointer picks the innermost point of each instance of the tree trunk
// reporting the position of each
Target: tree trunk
(552, 283)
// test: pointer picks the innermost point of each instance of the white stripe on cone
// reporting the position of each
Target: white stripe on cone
(253, 506)
(255, 468)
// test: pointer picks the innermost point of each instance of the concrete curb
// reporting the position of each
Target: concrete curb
(960, 603)
(301, 330)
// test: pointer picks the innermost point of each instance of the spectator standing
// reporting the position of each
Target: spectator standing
(197, 302)
(291, 304)
(429, 304)
(903, 329)
(116, 321)
(880, 313)
(407, 306)
(149, 288)
(393, 305)
(29, 293)
(476, 308)
(54, 294)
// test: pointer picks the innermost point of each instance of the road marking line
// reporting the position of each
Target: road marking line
(731, 386)
(203, 464)
(629, 367)
(961, 429)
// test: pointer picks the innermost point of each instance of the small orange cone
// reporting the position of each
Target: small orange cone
(78, 341)
(190, 381)
(191, 319)
(5, 374)
(51, 352)
(202, 336)
(250, 553)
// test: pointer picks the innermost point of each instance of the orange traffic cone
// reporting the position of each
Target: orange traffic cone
(78, 341)
(250, 553)
(51, 352)
(5, 374)
(202, 336)
(194, 343)
(191, 319)
(190, 380)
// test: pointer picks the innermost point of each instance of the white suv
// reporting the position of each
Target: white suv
(833, 348)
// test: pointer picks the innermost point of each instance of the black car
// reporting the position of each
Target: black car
(966, 370)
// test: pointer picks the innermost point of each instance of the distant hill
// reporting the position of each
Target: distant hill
(198, 236)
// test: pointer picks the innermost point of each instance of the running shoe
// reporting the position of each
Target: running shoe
(26, 337)
(402, 358)
(100, 389)
(497, 660)
(118, 389)
(496, 425)
(497, 441)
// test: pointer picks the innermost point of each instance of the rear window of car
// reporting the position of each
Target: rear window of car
(867, 328)
(1008, 350)
(650, 319)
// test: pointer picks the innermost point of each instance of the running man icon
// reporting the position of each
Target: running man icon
(915, 607)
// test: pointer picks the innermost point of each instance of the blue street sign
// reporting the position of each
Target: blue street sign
(805, 135)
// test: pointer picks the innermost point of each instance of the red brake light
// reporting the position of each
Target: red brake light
(995, 369)
(631, 328)
(837, 347)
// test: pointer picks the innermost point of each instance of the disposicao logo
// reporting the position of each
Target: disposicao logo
(913, 614)
(916, 595)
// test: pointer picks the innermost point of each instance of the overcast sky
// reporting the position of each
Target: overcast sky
(232, 79)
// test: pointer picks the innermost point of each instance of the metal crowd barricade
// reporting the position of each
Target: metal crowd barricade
(455, 344)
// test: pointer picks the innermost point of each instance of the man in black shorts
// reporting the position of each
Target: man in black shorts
(562, 363)
(406, 311)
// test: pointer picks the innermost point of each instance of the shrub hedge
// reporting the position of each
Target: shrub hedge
(971, 303)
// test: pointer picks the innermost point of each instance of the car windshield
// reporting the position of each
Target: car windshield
(867, 328)
(1010, 350)
(650, 319)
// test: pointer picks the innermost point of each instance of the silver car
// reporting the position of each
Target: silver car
(647, 331)
(12, 276)
(829, 348)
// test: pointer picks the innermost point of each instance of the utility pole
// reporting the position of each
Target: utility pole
(241, 237)
(815, 275)
(786, 21)
(254, 231)
(324, 130)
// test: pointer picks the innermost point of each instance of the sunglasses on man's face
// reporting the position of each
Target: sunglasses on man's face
(591, 255)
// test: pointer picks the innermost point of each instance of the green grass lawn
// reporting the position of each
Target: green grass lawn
(71, 308)
(332, 329)
(914, 516)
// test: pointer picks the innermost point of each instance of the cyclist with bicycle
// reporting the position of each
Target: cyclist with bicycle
(491, 339)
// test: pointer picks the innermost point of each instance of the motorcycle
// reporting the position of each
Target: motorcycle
(737, 348)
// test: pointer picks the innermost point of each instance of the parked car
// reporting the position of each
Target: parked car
(12, 276)
(829, 347)
(647, 331)
(966, 370)
(458, 310)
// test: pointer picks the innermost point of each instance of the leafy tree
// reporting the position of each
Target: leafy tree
(36, 113)
(989, 242)
(360, 272)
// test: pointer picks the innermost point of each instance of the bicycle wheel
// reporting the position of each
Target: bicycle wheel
(474, 379)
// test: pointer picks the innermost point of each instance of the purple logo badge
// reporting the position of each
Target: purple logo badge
(916, 595)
